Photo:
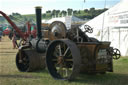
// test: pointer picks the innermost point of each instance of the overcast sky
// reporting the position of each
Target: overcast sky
(27, 6)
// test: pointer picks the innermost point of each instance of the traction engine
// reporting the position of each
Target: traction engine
(65, 52)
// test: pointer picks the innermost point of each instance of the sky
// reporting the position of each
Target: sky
(28, 6)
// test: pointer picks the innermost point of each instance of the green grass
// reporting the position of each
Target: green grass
(9, 75)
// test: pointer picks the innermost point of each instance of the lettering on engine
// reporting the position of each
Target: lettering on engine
(103, 57)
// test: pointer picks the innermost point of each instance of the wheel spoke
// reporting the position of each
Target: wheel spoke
(56, 53)
(68, 59)
(60, 51)
(66, 51)
(116, 50)
(66, 70)
(61, 70)
(118, 54)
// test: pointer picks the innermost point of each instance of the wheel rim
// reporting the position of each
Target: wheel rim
(116, 53)
(23, 63)
(60, 61)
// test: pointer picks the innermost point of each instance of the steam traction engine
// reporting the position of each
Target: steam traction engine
(67, 52)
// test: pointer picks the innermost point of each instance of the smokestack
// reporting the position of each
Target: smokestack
(38, 21)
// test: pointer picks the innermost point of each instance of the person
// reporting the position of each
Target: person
(14, 41)
(1, 35)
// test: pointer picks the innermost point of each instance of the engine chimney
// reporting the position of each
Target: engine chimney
(38, 21)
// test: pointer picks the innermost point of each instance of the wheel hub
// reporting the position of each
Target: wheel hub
(60, 60)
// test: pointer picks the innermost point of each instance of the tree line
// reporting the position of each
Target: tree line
(83, 14)
(86, 13)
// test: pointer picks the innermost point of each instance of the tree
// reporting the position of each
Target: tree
(11, 17)
(44, 15)
(53, 12)
(57, 12)
(79, 12)
(75, 12)
(48, 11)
(105, 9)
(18, 14)
(92, 10)
(69, 11)
(86, 10)
(63, 12)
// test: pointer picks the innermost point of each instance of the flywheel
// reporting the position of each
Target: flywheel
(57, 30)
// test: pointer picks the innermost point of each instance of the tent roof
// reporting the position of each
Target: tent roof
(121, 7)
(62, 19)
(111, 17)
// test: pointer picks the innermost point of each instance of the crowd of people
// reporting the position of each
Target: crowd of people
(29, 29)
(12, 37)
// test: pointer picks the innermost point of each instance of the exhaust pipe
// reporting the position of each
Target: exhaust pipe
(38, 21)
(38, 43)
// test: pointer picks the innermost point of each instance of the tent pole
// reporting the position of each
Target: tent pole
(103, 21)
(119, 38)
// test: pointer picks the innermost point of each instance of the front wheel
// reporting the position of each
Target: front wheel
(63, 59)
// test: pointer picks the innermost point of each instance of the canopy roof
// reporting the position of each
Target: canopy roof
(62, 19)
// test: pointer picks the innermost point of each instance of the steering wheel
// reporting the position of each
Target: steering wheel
(88, 29)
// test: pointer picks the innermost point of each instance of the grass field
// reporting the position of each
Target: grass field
(9, 75)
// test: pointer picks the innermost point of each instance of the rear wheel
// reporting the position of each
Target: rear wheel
(63, 59)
